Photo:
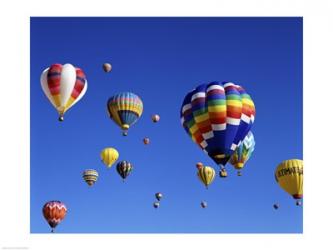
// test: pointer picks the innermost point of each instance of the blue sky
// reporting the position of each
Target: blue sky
(161, 59)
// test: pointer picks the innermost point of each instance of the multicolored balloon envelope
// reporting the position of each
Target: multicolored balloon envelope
(217, 116)
(90, 176)
(54, 212)
(289, 175)
(125, 109)
(124, 168)
(243, 151)
(64, 85)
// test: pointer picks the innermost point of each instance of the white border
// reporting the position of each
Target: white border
(15, 105)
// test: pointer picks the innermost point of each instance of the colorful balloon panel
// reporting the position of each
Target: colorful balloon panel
(289, 175)
(125, 109)
(243, 152)
(217, 116)
(64, 85)
(54, 212)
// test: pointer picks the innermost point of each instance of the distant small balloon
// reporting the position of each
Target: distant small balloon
(199, 165)
(276, 206)
(223, 173)
(146, 141)
(156, 204)
(107, 67)
(203, 204)
(159, 196)
(90, 176)
(155, 118)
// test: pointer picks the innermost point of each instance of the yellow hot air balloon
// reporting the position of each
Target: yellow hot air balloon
(109, 156)
(206, 175)
(289, 175)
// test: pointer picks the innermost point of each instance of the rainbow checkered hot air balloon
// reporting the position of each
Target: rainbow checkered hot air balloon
(125, 109)
(64, 85)
(217, 116)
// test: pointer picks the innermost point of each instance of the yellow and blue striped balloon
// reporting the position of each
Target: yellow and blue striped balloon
(125, 109)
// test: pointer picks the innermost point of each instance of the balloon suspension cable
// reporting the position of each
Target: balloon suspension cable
(222, 167)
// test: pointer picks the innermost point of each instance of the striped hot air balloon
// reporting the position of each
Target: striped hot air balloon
(289, 175)
(125, 109)
(54, 212)
(206, 175)
(64, 85)
(124, 168)
(90, 176)
(217, 116)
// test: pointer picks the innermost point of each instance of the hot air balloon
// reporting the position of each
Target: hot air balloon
(124, 168)
(203, 204)
(289, 175)
(276, 206)
(146, 141)
(159, 196)
(223, 173)
(199, 165)
(64, 85)
(125, 109)
(217, 116)
(54, 212)
(156, 204)
(155, 118)
(107, 67)
(243, 152)
(90, 176)
(109, 156)
(206, 175)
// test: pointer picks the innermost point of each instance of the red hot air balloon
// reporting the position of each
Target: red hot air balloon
(54, 212)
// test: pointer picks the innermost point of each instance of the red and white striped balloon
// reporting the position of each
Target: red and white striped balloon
(64, 85)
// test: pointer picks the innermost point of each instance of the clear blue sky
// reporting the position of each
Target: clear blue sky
(161, 59)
